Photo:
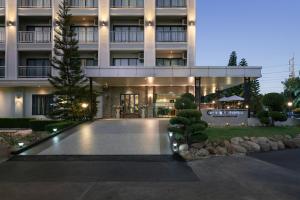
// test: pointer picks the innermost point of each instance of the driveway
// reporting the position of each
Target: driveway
(110, 137)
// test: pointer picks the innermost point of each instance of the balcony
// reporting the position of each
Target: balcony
(2, 72)
(34, 71)
(127, 4)
(171, 3)
(171, 62)
(83, 4)
(133, 39)
(171, 36)
(2, 38)
(34, 4)
(35, 40)
(87, 40)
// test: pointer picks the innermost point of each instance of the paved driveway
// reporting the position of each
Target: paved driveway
(110, 137)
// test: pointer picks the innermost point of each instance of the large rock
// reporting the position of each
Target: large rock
(236, 140)
(228, 147)
(211, 150)
(221, 150)
(186, 155)
(290, 143)
(238, 149)
(281, 146)
(202, 153)
(264, 143)
(297, 141)
(183, 147)
(250, 146)
(198, 145)
(274, 146)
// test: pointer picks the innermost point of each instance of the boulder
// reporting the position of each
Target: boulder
(274, 146)
(236, 140)
(264, 143)
(238, 149)
(250, 146)
(228, 147)
(186, 155)
(297, 141)
(202, 153)
(211, 150)
(183, 147)
(281, 146)
(221, 150)
(290, 143)
(198, 145)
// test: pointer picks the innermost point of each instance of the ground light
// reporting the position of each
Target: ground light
(54, 129)
(175, 146)
(170, 134)
(21, 144)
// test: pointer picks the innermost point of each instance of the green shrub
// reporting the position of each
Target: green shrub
(189, 96)
(274, 101)
(59, 126)
(263, 114)
(278, 116)
(15, 122)
(184, 103)
(264, 120)
(40, 125)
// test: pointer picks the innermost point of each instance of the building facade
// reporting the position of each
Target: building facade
(139, 55)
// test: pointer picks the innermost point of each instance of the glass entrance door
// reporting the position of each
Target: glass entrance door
(130, 104)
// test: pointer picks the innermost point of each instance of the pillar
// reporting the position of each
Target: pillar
(247, 95)
(91, 98)
(103, 31)
(198, 91)
(11, 51)
(149, 43)
(191, 32)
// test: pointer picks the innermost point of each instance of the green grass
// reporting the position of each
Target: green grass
(216, 134)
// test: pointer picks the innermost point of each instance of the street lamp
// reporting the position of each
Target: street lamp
(290, 104)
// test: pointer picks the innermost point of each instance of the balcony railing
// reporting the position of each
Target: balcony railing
(34, 71)
(85, 37)
(34, 37)
(127, 36)
(2, 36)
(171, 36)
(34, 3)
(2, 3)
(171, 3)
(2, 72)
(127, 4)
(83, 3)
(166, 62)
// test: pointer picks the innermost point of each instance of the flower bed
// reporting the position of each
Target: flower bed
(239, 145)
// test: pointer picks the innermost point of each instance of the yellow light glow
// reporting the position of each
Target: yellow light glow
(84, 105)
(290, 104)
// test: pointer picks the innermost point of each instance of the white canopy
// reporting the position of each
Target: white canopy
(231, 99)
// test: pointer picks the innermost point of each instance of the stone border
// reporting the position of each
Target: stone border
(238, 146)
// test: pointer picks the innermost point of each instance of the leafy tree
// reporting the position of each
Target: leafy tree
(187, 126)
(70, 83)
(292, 90)
(232, 59)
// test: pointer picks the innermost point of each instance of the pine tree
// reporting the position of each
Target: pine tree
(70, 83)
(233, 59)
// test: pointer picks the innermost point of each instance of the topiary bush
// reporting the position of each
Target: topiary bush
(264, 117)
(187, 126)
(40, 125)
(15, 122)
(273, 101)
(278, 116)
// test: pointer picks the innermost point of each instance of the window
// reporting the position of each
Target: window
(38, 62)
(128, 34)
(127, 3)
(127, 62)
(170, 62)
(41, 104)
(41, 34)
(86, 34)
(171, 3)
(171, 33)
(89, 62)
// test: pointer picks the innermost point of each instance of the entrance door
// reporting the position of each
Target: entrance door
(130, 105)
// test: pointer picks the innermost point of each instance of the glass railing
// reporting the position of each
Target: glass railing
(34, 37)
(83, 3)
(173, 62)
(2, 36)
(34, 3)
(2, 72)
(2, 3)
(34, 71)
(127, 4)
(127, 36)
(171, 36)
(171, 3)
(87, 36)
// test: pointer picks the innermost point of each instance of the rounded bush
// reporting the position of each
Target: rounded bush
(192, 115)
(263, 114)
(188, 96)
(184, 103)
(264, 120)
(274, 101)
(278, 116)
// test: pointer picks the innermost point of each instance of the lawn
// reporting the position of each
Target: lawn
(215, 134)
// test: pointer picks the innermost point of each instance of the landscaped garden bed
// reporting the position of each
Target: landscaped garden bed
(242, 140)
(18, 134)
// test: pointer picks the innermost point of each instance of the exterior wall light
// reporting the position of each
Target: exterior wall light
(247, 107)
(103, 23)
(192, 23)
(149, 23)
(290, 104)
(84, 105)
(11, 23)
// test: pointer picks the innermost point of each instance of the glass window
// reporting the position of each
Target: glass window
(41, 104)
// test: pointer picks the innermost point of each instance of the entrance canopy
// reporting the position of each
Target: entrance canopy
(231, 99)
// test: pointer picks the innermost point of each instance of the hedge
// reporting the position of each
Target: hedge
(59, 125)
(40, 125)
(15, 122)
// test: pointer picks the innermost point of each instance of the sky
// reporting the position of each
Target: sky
(265, 32)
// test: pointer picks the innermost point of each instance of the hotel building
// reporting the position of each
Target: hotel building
(138, 54)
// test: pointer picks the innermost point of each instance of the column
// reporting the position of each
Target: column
(149, 37)
(191, 32)
(198, 91)
(103, 31)
(11, 51)
(247, 94)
